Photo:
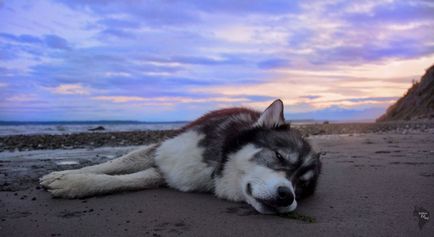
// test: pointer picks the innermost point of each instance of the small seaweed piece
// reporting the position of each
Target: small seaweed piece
(297, 216)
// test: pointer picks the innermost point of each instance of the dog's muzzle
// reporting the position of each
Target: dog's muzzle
(283, 198)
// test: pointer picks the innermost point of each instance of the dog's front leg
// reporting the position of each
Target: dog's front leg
(84, 185)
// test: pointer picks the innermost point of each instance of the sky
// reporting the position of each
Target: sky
(175, 60)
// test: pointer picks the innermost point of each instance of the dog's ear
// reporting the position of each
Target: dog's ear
(272, 116)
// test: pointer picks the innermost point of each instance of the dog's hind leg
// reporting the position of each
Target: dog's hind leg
(134, 161)
(84, 185)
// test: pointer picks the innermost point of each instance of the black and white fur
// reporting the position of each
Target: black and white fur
(238, 154)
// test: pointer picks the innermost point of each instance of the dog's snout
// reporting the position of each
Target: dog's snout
(284, 196)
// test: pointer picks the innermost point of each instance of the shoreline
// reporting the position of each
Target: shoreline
(135, 138)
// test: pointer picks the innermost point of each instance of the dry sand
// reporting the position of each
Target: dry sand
(370, 186)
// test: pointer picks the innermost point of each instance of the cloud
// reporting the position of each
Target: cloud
(197, 60)
(52, 41)
(371, 52)
(373, 99)
(24, 38)
(119, 23)
(168, 100)
(117, 74)
(119, 99)
(151, 13)
(274, 63)
(22, 98)
(182, 10)
(388, 11)
(236, 34)
(310, 97)
(119, 33)
(56, 42)
(336, 113)
(70, 89)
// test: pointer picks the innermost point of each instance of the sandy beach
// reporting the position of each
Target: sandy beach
(372, 181)
(214, 90)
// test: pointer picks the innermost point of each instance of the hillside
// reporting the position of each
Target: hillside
(417, 103)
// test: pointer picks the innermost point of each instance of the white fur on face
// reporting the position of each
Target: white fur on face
(229, 185)
(264, 183)
(240, 170)
(181, 162)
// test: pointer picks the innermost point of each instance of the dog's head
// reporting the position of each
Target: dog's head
(276, 166)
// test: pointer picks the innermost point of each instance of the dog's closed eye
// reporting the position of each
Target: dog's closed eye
(279, 157)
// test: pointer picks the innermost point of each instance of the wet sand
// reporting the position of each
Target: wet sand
(370, 185)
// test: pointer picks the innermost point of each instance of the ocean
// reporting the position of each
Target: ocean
(61, 127)
(68, 127)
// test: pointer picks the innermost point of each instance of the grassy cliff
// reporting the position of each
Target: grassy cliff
(417, 103)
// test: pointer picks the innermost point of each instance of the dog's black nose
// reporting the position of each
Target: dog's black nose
(284, 196)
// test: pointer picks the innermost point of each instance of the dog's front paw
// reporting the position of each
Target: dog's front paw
(70, 186)
(46, 180)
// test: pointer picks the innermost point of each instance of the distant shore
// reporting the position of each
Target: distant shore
(132, 138)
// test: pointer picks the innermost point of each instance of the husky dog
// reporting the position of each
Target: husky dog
(237, 153)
